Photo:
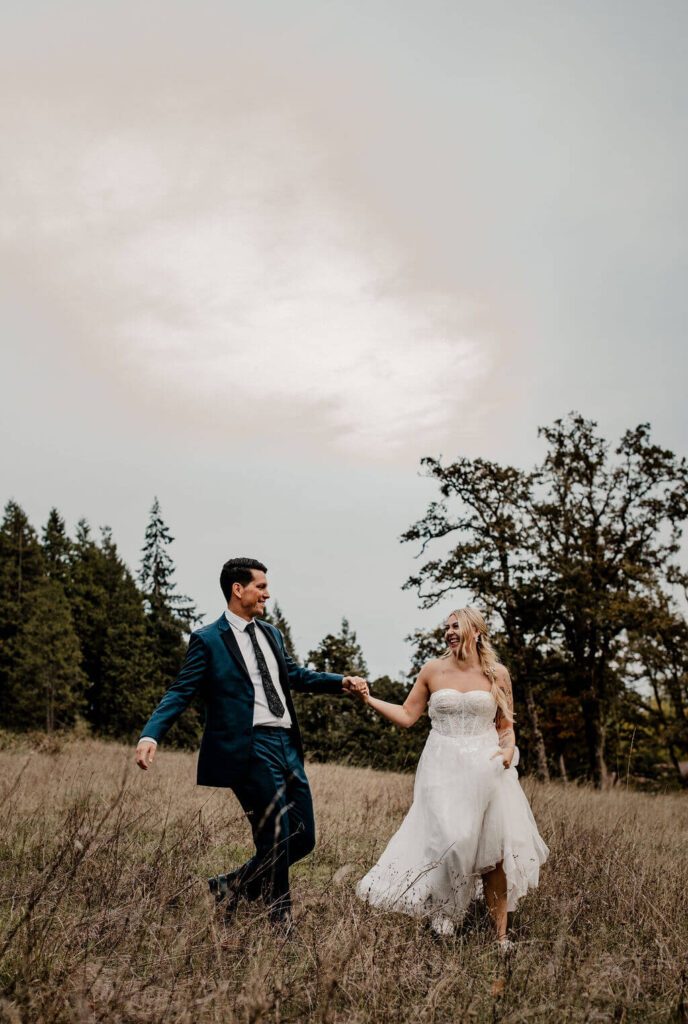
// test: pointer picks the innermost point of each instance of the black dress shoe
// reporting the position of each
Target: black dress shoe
(218, 887)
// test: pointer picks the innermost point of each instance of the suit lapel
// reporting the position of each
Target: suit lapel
(281, 663)
(233, 647)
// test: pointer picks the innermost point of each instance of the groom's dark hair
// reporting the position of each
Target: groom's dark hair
(238, 570)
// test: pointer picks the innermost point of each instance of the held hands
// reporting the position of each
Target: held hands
(145, 752)
(357, 687)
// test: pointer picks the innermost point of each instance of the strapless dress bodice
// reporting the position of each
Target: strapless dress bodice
(462, 714)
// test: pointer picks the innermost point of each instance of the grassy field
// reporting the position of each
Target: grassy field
(105, 916)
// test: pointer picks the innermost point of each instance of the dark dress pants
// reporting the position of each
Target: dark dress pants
(277, 800)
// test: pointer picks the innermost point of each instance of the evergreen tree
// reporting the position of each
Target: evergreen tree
(88, 590)
(156, 575)
(56, 548)
(21, 563)
(170, 617)
(127, 690)
(21, 571)
(112, 630)
(46, 683)
(276, 618)
(325, 721)
(340, 653)
(362, 737)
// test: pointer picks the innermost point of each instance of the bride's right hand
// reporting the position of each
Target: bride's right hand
(506, 754)
(359, 688)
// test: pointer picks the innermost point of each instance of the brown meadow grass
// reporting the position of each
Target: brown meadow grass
(105, 914)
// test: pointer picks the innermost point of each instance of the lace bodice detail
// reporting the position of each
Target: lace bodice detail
(454, 713)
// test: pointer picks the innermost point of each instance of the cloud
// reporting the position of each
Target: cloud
(203, 253)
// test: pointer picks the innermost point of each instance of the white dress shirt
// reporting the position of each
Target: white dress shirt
(262, 715)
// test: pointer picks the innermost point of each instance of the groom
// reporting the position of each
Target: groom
(251, 742)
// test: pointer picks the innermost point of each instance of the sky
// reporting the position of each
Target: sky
(258, 259)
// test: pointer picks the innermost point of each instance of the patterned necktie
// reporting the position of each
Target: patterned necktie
(273, 698)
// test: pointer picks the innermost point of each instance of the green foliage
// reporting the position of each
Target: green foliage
(57, 548)
(169, 618)
(111, 626)
(21, 570)
(46, 685)
(340, 728)
(427, 644)
(276, 618)
(339, 654)
(156, 574)
(75, 637)
(127, 682)
(575, 562)
(566, 560)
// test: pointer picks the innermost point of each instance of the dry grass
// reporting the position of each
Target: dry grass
(105, 914)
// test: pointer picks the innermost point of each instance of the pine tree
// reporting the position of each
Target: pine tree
(276, 618)
(340, 653)
(56, 547)
(46, 682)
(112, 630)
(21, 570)
(88, 593)
(21, 563)
(126, 690)
(170, 617)
(329, 724)
(156, 575)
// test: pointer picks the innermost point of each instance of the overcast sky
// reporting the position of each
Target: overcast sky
(257, 259)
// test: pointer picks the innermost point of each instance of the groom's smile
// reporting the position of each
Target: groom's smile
(252, 596)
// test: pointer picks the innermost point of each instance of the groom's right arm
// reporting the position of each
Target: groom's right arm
(176, 699)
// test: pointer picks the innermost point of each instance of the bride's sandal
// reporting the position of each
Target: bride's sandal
(505, 945)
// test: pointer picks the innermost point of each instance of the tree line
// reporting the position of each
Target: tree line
(81, 639)
(576, 563)
(85, 643)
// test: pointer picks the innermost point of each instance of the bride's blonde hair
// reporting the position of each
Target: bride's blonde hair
(470, 622)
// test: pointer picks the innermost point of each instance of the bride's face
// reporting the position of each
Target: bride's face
(453, 637)
(452, 634)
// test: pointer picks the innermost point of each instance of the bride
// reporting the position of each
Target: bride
(470, 827)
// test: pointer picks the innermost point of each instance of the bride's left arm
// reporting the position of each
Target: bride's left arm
(504, 724)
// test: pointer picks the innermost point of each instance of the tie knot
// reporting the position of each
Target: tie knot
(251, 627)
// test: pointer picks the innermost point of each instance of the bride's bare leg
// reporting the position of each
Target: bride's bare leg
(494, 885)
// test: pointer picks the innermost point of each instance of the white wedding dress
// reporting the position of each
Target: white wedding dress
(468, 814)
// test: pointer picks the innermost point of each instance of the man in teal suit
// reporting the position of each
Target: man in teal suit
(251, 742)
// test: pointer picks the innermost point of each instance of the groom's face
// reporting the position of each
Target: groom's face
(253, 596)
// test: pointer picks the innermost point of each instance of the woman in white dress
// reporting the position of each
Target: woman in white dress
(470, 828)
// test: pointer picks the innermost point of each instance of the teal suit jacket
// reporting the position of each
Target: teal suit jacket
(214, 666)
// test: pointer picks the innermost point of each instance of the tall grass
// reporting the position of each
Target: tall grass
(105, 914)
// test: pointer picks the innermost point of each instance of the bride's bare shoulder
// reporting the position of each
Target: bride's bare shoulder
(432, 668)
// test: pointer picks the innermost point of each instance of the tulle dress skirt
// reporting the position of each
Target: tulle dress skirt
(468, 814)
